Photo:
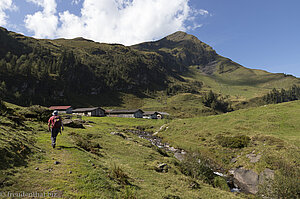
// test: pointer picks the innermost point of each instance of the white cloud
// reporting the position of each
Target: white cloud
(49, 6)
(114, 21)
(43, 23)
(194, 26)
(71, 26)
(5, 5)
(202, 12)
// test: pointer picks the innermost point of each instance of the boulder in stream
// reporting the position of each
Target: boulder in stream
(248, 180)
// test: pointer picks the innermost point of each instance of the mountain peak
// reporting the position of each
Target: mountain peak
(82, 39)
(181, 36)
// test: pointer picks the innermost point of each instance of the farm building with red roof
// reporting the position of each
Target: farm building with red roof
(62, 109)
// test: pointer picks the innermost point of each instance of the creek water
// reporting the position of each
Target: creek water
(179, 154)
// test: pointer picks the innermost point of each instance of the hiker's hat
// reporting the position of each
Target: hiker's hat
(55, 112)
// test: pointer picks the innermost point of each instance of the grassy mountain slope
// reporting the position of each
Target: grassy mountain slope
(81, 72)
(200, 62)
(17, 136)
(272, 132)
(59, 70)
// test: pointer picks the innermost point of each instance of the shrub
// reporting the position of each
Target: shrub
(86, 143)
(197, 167)
(238, 141)
(286, 181)
(119, 175)
(286, 184)
(189, 87)
(215, 102)
(221, 183)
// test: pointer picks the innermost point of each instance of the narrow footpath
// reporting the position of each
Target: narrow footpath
(53, 173)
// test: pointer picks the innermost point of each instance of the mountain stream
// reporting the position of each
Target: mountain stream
(178, 154)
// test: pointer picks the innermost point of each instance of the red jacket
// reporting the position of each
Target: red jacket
(52, 119)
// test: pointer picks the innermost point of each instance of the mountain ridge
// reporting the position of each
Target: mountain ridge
(30, 70)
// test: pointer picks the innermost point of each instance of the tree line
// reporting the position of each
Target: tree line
(278, 96)
(42, 76)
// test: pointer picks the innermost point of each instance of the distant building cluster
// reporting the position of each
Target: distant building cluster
(100, 112)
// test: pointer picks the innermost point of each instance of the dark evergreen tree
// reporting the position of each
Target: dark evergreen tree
(215, 102)
(276, 96)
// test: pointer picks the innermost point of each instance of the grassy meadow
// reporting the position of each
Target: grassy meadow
(93, 163)
(273, 131)
(104, 160)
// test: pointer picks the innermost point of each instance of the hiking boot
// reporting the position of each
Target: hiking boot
(53, 145)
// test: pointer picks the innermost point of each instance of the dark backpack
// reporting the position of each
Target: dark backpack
(56, 122)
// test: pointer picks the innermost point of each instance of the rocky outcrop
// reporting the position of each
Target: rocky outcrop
(253, 157)
(248, 180)
(72, 123)
(163, 168)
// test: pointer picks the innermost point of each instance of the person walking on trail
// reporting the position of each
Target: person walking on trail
(55, 125)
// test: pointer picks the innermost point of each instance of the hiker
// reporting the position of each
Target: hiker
(55, 125)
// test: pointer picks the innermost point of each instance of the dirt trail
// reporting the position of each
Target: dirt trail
(52, 172)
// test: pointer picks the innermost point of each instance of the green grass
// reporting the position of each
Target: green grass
(103, 165)
(240, 82)
(137, 159)
(273, 129)
(182, 105)
(95, 174)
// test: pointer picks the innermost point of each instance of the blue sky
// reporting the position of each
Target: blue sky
(262, 34)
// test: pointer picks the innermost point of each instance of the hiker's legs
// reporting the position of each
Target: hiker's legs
(54, 133)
